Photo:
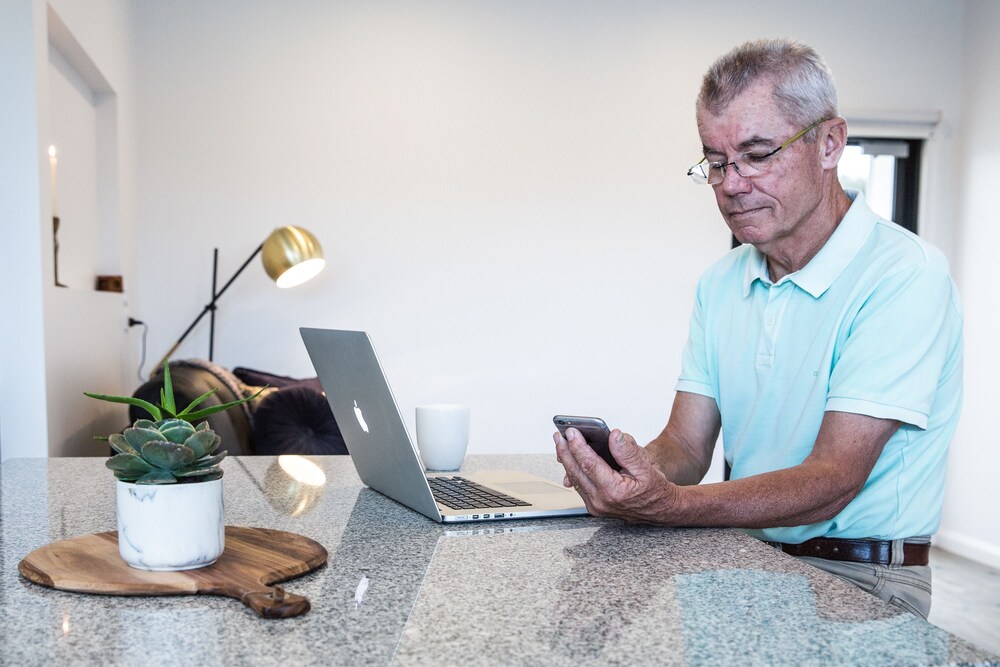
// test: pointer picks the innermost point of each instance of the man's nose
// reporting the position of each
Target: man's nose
(733, 182)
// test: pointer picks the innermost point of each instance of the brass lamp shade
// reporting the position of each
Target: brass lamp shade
(292, 256)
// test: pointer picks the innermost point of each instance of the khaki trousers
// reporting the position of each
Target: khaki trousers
(908, 588)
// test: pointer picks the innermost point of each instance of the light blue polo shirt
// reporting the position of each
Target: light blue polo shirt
(871, 325)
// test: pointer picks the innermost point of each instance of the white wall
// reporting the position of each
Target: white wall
(970, 523)
(73, 130)
(500, 188)
(85, 333)
(57, 342)
(23, 179)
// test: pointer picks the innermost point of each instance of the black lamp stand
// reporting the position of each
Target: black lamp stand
(211, 306)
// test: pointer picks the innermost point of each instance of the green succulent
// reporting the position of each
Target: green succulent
(165, 452)
(170, 449)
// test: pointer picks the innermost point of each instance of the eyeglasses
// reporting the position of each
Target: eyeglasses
(747, 165)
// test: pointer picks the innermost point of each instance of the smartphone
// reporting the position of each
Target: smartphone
(594, 431)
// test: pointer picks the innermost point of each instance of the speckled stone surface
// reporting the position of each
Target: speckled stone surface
(542, 592)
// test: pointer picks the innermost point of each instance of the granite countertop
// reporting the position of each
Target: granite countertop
(555, 592)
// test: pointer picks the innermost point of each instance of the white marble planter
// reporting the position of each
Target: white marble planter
(170, 526)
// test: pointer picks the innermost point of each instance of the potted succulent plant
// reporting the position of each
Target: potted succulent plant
(169, 483)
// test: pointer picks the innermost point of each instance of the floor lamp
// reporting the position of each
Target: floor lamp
(291, 256)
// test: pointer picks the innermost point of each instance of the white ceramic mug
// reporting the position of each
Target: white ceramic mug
(442, 435)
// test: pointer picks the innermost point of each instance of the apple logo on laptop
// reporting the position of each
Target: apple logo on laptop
(361, 417)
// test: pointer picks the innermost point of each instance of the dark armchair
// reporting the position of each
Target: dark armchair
(292, 416)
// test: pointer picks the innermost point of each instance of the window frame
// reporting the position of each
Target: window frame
(906, 178)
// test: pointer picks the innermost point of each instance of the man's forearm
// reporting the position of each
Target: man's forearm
(683, 450)
(804, 494)
(794, 496)
(677, 463)
(815, 490)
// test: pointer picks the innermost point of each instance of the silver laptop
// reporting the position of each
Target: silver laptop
(387, 461)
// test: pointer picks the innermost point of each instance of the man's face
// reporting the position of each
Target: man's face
(766, 210)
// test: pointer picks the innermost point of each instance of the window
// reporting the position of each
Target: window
(887, 172)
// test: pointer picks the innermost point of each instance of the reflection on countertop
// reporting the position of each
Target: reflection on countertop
(399, 588)
(293, 484)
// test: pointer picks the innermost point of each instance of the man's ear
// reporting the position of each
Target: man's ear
(833, 140)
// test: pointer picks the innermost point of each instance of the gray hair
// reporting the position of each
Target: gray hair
(803, 85)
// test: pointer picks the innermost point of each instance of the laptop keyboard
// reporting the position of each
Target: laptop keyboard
(459, 493)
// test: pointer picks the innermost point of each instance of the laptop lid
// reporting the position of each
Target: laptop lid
(368, 417)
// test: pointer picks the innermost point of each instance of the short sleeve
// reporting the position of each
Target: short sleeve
(902, 341)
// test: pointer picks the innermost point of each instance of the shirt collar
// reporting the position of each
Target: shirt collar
(822, 270)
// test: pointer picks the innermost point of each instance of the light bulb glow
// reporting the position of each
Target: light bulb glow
(300, 273)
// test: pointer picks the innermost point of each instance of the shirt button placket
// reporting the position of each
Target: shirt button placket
(777, 298)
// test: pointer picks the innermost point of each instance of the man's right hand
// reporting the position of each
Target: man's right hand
(640, 493)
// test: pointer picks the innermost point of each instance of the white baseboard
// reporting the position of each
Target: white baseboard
(969, 547)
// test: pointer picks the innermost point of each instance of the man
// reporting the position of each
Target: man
(827, 349)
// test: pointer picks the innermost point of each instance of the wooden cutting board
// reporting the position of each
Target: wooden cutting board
(254, 560)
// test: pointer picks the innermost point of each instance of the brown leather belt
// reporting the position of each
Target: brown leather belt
(877, 552)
